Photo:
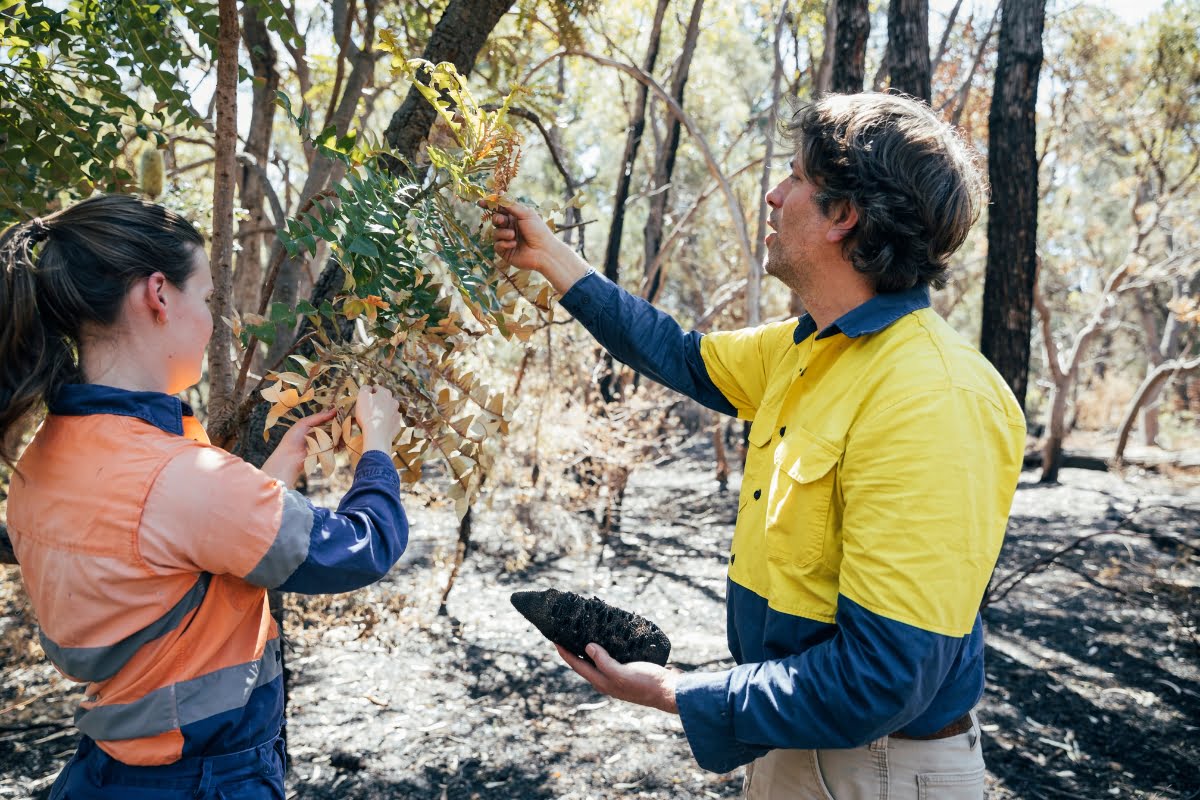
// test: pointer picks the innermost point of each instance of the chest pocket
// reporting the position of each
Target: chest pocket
(801, 513)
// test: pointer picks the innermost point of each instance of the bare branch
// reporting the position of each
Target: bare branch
(735, 208)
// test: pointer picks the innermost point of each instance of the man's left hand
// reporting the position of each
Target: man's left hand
(637, 682)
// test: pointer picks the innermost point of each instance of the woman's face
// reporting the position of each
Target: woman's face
(189, 326)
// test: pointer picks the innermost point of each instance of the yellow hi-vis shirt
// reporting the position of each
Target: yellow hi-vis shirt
(883, 456)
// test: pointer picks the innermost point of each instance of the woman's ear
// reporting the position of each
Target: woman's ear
(844, 220)
(152, 294)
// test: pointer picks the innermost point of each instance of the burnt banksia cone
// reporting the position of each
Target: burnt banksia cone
(568, 619)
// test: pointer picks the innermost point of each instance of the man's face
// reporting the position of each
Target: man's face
(800, 230)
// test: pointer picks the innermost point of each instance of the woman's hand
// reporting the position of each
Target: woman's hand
(523, 239)
(378, 415)
(287, 462)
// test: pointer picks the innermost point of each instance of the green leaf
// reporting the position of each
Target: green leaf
(363, 247)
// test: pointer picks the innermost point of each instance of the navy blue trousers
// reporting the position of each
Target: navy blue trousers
(254, 774)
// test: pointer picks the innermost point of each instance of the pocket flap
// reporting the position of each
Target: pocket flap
(762, 429)
(804, 456)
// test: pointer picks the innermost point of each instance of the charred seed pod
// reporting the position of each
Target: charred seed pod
(568, 619)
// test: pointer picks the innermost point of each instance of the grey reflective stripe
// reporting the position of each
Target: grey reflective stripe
(172, 707)
(290, 547)
(101, 663)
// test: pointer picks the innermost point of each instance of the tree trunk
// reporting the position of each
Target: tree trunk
(221, 402)
(850, 46)
(823, 75)
(754, 279)
(633, 141)
(1052, 447)
(324, 170)
(908, 47)
(664, 166)
(1012, 218)
(7, 556)
(248, 273)
(1149, 389)
(458, 37)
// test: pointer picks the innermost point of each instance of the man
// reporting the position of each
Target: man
(883, 457)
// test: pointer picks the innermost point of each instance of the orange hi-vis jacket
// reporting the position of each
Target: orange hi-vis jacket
(147, 554)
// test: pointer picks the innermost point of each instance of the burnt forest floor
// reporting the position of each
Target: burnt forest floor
(1093, 660)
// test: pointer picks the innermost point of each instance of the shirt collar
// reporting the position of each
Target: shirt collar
(163, 411)
(871, 317)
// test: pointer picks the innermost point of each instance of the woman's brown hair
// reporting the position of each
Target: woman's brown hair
(70, 271)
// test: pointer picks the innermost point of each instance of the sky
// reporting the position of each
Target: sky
(1131, 10)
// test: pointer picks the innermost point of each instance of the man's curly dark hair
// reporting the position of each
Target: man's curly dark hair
(917, 187)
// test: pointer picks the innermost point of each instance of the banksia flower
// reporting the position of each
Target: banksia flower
(151, 169)
(568, 619)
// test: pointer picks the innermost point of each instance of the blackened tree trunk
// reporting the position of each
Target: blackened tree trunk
(7, 556)
(908, 47)
(633, 140)
(850, 46)
(458, 37)
(1013, 171)
(665, 163)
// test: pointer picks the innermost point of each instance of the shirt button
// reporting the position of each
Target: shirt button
(783, 430)
(757, 493)
(585, 300)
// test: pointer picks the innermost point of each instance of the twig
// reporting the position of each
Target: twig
(28, 700)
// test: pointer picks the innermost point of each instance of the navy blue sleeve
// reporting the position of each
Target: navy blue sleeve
(357, 544)
(648, 340)
(872, 678)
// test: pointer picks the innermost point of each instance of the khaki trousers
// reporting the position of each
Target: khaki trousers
(886, 769)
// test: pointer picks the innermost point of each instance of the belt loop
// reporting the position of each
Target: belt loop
(205, 779)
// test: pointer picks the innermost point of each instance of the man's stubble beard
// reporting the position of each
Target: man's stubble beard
(780, 267)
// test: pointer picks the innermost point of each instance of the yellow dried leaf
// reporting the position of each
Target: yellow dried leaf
(289, 398)
(277, 411)
(323, 441)
(310, 464)
(294, 378)
(354, 445)
(271, 393)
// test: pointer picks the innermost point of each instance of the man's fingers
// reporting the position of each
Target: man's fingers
(586, 670)
(604, 662)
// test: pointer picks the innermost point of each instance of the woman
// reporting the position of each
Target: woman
(146, 551)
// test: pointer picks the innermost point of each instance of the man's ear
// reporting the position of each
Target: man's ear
(844, 219)
(152, 295)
